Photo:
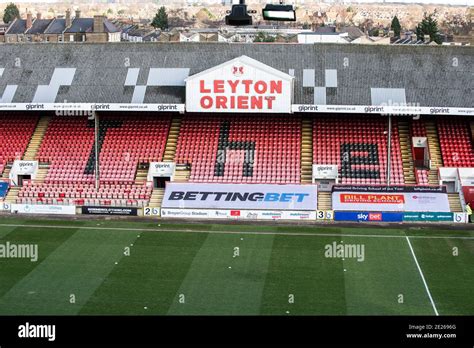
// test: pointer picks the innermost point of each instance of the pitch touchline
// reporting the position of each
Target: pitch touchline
(422, 276)
(239, 232)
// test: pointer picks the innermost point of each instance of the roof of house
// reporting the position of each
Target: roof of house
(57, 26)
(141, 32)
(152, 36)
(354, 32)
(110, 27)
(409, 41)
(39, 26)
(86, 25)
(17, 27)
(80, 25)
(325, 30)
(344, 74)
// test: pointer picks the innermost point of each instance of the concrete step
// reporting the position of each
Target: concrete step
(454, 202)
(306, 150)
(36, 138)
(324, 200)
(172, 140)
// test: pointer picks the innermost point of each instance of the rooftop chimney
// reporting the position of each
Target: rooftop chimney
(414, 37)
(427, 39)
(391, 33)
(29, 20)
(78, 13)
(68, 18)
(99, 24)
(38, 15)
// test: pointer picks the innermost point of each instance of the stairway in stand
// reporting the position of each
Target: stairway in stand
(142, 173)
(42, 172)
(157, 197)
(6, 171)
(168, 156)
(435, 151)
(324, 200)
(307, 151)
(36, 139)
(454, 202)
(405, 148)
(172, 142)
(182, 174)
(12, 194)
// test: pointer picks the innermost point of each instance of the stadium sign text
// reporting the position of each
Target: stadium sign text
(394, 110)
(238, 214)
(240, 196)
(390, 198)
(367, 216)
(242, 84)
(74, 107)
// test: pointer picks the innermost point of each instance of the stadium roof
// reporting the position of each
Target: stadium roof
(331, 74)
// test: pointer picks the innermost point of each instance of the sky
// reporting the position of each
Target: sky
(446, 2)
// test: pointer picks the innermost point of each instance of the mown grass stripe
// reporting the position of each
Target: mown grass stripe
(12, 271)
(220, 283)
(77, 267)
(315, 233)
(149, 277)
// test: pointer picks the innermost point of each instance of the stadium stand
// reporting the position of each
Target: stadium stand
(248, 149)
(15, 133)
(130, 142)
(66, 147)
(358, 145)
(455, 140)
(124, 143)
(85, 194)
(418, 128)
(254, 149)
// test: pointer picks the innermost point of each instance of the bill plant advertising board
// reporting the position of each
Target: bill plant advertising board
(390, 198)
(240, 85)
(240, 196)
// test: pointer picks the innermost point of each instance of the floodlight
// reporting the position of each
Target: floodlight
(238, 16)
(279, 13)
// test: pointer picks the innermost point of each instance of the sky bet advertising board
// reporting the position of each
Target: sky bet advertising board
(240, 196)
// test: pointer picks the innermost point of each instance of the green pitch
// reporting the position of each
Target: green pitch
(116, 267)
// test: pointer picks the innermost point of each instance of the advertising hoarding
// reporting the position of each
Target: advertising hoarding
(240, 196)
(109, 211)
(237, 214)
(43, 209)
(367, 216)
(393, 198)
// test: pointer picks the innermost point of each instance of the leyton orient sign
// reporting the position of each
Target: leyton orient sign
(240, 85)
